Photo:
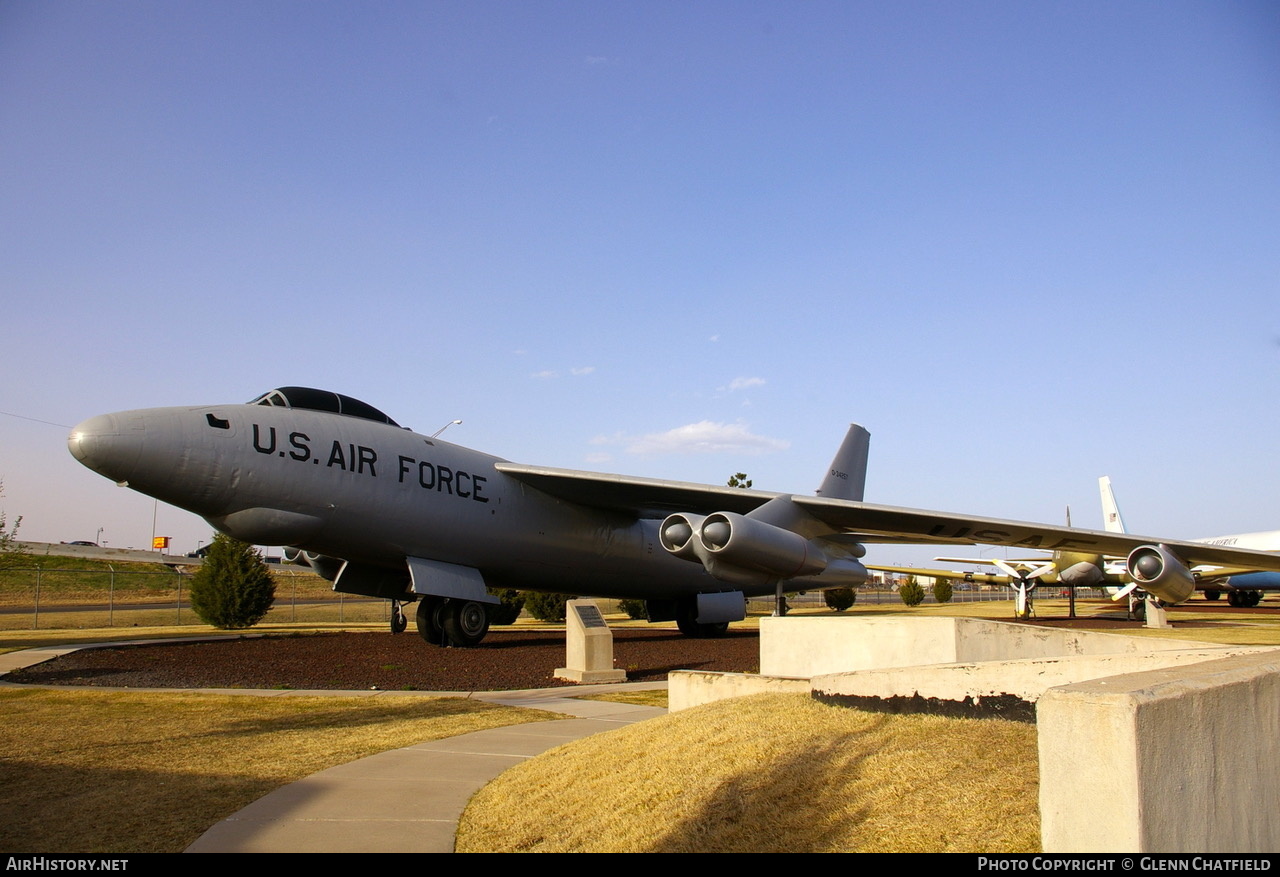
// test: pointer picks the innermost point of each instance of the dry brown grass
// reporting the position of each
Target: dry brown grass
(106, 772)
(772, 773)
(645, 697)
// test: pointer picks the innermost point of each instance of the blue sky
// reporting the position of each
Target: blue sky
(1025, 244)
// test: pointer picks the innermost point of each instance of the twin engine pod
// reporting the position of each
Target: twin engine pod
(1160, 573)
(325, 567)
(745, 552)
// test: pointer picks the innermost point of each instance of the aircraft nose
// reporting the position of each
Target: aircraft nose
(107, 445)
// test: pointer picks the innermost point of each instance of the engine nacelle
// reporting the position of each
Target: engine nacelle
(1084, 574)
(325, 567)
(679, 535)
(1159, 572)
(741, 550)
(841, 572)
(744, 542)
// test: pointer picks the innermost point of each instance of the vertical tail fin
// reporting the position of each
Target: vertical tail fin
(1111, 519)
(846, 478)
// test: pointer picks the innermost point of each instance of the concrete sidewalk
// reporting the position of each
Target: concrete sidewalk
(405, 800)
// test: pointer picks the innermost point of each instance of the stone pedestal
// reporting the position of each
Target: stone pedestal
(1156, 616)
(588, 646)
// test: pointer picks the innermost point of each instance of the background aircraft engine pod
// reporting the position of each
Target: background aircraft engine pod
(744, 542)
(1157, 571)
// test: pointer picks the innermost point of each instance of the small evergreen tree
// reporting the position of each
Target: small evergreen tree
(911, 592)
(546, 607)
(635, 609)
(942, 590)
(739, 479)
(233, 587)
(839, 599)
(509, 610)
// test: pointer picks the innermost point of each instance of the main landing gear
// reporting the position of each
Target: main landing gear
(1244, 599)
(443, 621)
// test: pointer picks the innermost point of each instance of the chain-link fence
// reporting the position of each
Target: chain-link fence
(51, 597)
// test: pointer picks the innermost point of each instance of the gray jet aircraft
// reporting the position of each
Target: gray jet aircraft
(384, 512)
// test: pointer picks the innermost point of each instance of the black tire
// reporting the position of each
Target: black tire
(1212, 595)
(399, 621)
(1235, 598)
(1254, 598)
(428, 619)
(465, 622)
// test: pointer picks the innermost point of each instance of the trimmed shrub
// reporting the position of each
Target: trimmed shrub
(509, 610)
(911, 592)
(233, 588)
(942, 590)
(839, 599)
(635, 609)
(546, 607)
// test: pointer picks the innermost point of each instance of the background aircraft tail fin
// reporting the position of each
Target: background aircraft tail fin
(846, 478)
(1111, 519)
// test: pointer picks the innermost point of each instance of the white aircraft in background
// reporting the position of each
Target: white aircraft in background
(385, 512)
(1243, 585)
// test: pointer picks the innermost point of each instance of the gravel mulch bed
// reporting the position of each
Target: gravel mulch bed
(505, 660)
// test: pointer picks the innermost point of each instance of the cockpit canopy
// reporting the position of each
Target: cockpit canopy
(321, 400)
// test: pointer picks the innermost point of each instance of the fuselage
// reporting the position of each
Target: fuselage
(375, 493)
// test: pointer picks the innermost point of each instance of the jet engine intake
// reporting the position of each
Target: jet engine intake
(741, 541)
(741, 550)
(1159, 572)
(325, 567)
(679, 535)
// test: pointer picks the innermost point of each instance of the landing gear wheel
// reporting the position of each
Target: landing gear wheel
(428, 619)
(398, 620)
(465, 622)
(1253, 598)
(1236, 599)
(1212, 595)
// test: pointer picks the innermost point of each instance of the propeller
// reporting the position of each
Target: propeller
(1022, 581)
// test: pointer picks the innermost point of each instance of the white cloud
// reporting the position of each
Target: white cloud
(583, 370)
(598, 457)
(714, 338)
(544, 374)
(705, 437)
(744, 383)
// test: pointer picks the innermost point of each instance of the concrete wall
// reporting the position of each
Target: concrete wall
(690, 688)
(1176, 760)
(801, 646)
(1005, 685)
